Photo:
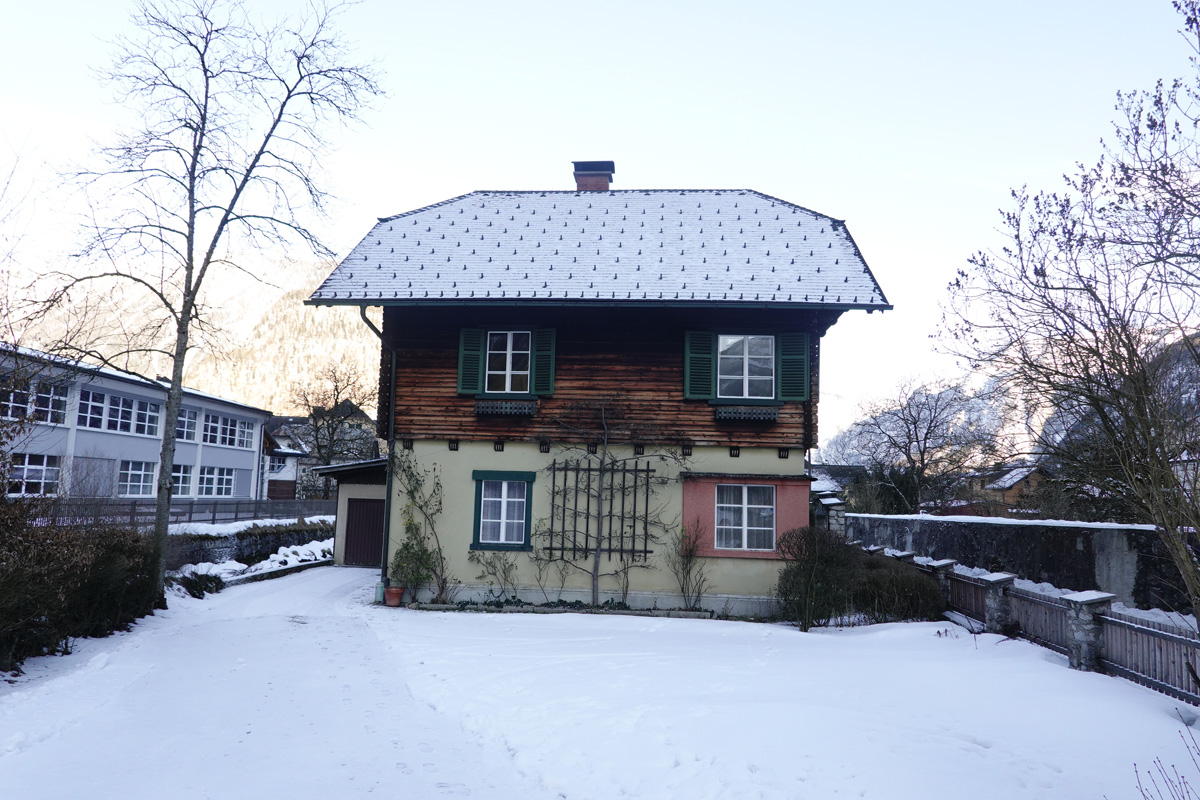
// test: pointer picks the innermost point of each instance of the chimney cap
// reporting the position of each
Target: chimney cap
(594, 167)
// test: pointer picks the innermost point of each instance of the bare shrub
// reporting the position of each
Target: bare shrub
(817, 576)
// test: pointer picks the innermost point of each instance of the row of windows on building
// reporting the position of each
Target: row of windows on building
(745, 364)
(100, 411)
(745, 515)
(37, 474)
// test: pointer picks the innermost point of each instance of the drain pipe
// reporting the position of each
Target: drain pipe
(391, 452)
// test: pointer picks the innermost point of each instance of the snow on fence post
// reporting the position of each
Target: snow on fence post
(941, 573)
(997, 615)
(906, 556)
(1084, 628)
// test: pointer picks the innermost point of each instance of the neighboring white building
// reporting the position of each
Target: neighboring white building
(95, 432)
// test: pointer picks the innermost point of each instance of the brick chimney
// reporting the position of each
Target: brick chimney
(593, 176)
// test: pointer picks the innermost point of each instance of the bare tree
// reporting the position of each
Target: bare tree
(222, 166)
(918, 444)
(1092, 311)
(335, 431)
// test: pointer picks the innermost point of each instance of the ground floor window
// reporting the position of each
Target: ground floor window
(181, 480)
(745, 517)
(502, 510)
(33, 474)
(136, 479)
(216, 482)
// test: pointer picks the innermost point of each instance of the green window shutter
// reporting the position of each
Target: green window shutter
(470, 360)
(700, 365)
(542, 362)
(793, 366)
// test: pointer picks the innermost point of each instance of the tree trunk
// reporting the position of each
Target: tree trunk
(166, 458)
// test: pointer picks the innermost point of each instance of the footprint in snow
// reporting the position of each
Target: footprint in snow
(458, 789)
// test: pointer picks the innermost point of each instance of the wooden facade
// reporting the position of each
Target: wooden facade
(626, 363)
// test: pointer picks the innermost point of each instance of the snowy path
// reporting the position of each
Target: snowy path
(299, 688)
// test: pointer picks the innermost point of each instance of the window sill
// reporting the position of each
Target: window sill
(744, 401)
(512, 548)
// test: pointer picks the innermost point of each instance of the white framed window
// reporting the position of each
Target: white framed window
(91, 409)
(745, 517)
(145, 420)
(120, 414)
(746, 367)
(33, 474)
(181, 480)
(215, 482)
(245, 434)
(50, 403)
(185, 425)
(278, 463)
(502, 512)
(14, 397)
(507, 362)
(212, 428)
(136, 479)
(228, 431)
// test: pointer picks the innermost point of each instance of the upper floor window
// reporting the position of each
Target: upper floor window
(746, 367)
(278, 463)
(43, 401)
(145, 420)
(120, 414)
(507, 362)
(185, 425)
(33, 474)
(515, 362)
(228, 431)
(50, 403)
(91, 409)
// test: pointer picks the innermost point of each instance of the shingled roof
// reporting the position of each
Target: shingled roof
(658, 247)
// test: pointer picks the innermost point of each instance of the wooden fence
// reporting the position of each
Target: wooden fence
(140, 513)
(1042, 619)
(967, 596)
(1158, 655)
(1153, 654)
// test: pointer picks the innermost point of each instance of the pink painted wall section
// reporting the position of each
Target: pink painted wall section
(700, 505)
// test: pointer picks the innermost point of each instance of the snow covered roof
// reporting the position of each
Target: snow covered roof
(1012, 477)
(76, 366)
(662, 247)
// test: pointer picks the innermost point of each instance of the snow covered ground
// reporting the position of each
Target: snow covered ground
(300, 688)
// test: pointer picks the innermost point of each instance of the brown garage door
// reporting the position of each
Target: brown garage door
(364, 533)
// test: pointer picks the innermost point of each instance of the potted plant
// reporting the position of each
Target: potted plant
(412, 564)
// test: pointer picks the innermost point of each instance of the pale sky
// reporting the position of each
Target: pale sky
(911, 121)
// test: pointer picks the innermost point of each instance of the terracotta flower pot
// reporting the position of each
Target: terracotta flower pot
(392, 595)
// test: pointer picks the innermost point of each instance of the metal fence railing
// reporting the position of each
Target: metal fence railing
(140, 513)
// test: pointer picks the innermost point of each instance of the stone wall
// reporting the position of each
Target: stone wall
(1127, 561)
(249, 546)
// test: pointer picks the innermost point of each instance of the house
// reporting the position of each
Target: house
(594, 369)
(342, 434)
(1002, 490)
(83, 431)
